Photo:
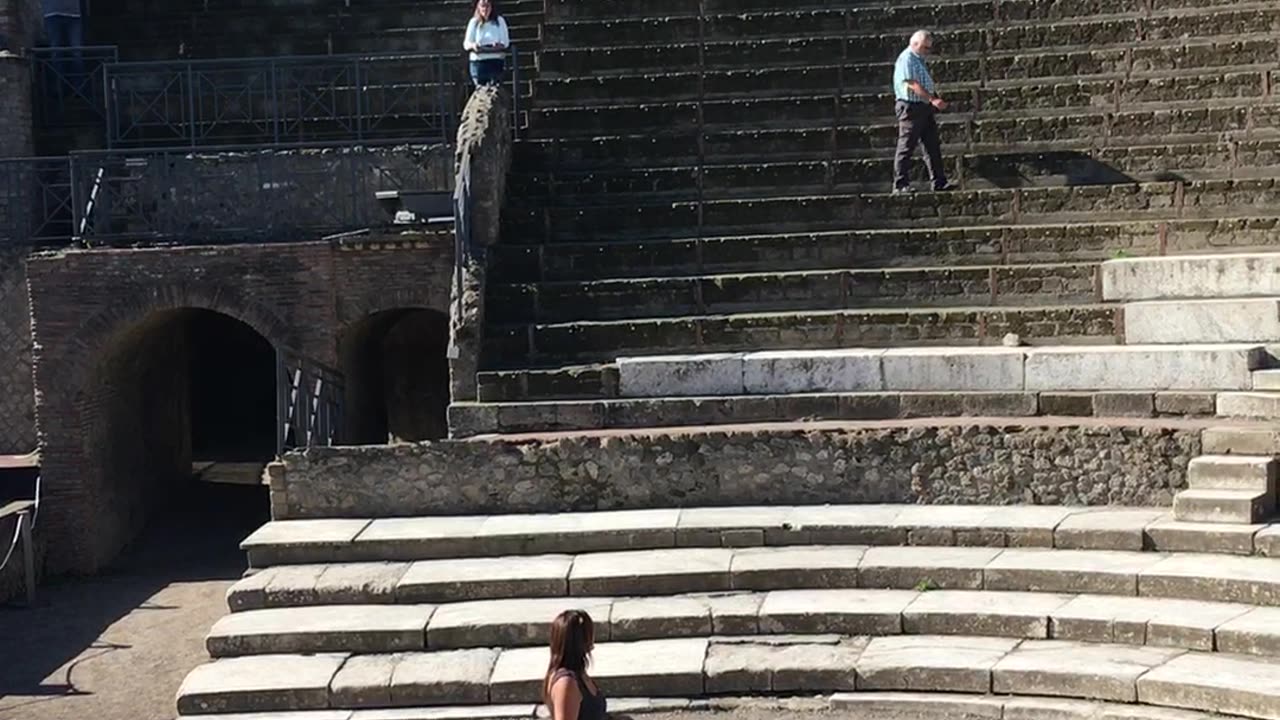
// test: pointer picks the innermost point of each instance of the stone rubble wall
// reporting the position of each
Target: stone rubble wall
(968, 462)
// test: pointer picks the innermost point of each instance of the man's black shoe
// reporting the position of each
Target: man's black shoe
(946, 187)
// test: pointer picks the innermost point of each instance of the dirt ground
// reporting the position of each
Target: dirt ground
(116, 646)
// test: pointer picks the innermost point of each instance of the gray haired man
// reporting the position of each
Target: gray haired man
(916, 104)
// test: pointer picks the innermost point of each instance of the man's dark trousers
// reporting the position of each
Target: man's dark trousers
(917, 124)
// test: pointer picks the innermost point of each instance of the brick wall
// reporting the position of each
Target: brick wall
(17, 402)
(15, 106)
(21, 25)
(99, 318)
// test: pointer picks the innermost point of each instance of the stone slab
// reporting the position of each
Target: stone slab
(1162, 622)
(1240, 507)
(843, 525)
(1144, 367)
(1230, 539)
(1267, 541)
(1109, 529)
(441, 678)
(1090, 571)
(1232, 472)
(363, 681)
(912, 706)
(657, 668)
(1220, 578)
(419, 538)
(320, 629)
(260, 683)
(1079, 670)
(931, 663)
(848, 612)
(780, 568)
(359, 583)
(967, 369)
(300, 541)
(1215, 683)
(949, 568)
(751, 667)
(1250, 405)
(578, 532)
(1201, 321)
(986, 525)
(681, 375)
(1241, 441)
(463, 712)
(1252, 632)
(960, 612)
(706, 527)
(800, 371)
(1192, 276)
(508, 622)
(651, 572)
(483, 578)
(291, 585)
(734, 613)
(646, 618)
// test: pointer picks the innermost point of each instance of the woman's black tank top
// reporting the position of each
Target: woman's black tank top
(593, 707)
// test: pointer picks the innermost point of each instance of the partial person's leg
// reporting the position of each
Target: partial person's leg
(75, 41)
(933, 151)
(908, 138)
(475, 73)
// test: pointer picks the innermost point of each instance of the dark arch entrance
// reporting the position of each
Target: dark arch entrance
(183, 396)
(397, 377)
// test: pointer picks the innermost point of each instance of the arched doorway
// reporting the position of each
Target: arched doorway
(185, 396)
(397, 377)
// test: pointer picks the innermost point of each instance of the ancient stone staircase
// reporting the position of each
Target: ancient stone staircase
(702, 178)
(1121, 605)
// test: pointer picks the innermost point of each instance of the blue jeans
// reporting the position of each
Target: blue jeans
(65, 32)
(487, 72)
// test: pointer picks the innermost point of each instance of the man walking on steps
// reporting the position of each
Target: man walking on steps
(916, 106)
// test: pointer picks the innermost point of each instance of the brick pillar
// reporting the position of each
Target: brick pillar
(21, 25)
(15, 106)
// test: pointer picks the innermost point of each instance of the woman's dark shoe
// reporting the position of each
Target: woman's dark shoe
(946, 187)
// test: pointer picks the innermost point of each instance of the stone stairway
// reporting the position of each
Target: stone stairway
(702, 178)
(1123, 605)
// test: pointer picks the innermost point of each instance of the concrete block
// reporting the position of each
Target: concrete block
(260, 683)
(974, 369)
(1202, 321)
(931, 663)
(1144, 367)
(798, 371)
(1142, 621)
(1242, 507)
(959, 612)
(1090, 571)
(1215, 683)
(484, 578)
(937, 568)
(771, 568)
(848, 612)
(1106, 529)
(1254, 405)
(1220, 578)
(681, 375)
(1192, 276)
(1232, 472)
(320, 629)
(651, 572)
(1068, 669)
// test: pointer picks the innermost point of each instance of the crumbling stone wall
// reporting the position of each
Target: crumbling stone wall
(482, 161)
(962, 462)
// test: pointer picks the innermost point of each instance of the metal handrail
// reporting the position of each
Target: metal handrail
(309, 409)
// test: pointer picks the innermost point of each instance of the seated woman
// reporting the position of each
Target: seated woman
(487, 40)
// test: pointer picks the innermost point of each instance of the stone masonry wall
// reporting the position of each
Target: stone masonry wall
(88, 306)
(20, 25)
(17, 402)
(1088, 462)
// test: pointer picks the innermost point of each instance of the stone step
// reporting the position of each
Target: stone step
(867, 249)
(995, 369)
(1223, 506)
(1193, 625)
(518, 412)
(1210, 577)
(387, 543)
(690, 667)
(1232, 472)
(1202, 321)
(1192, 276)
(781, 291)
(1147, 201)
(1241, 440)
(509, 346)
(902, 705)
(1251, 405)
(1268, 380)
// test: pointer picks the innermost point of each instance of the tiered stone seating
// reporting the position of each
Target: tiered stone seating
(717, 183)
(1088, 604)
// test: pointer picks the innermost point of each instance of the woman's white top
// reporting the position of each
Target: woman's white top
(488, 33)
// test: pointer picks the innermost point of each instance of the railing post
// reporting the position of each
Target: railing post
(359, 88)
(28, 556)
(515, 93)
(275, 102)
(282, 403)
(191, 102)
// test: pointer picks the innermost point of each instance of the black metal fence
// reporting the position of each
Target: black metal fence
(36, 204)
(68, 85)
(284, 99)
(309, 402)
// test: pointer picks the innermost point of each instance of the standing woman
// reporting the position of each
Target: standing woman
(571, 694)
(487, 40)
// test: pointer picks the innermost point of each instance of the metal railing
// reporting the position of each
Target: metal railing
(285, 99)
(310, 402)
(36, 205)
(68, 84)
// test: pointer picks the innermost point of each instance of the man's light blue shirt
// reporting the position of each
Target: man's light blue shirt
(910, 66)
